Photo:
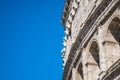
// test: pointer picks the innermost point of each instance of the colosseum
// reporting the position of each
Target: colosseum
(92, 40)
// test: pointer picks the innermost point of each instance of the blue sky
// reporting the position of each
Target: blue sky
(31, 39)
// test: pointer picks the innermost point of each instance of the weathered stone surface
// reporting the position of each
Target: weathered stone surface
(92, 40)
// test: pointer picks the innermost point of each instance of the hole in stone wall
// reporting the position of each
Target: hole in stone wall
(115, 29)
(80, 70)
(93, 65)
(94, 50)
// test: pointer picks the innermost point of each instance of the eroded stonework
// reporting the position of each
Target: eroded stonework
(92, 40)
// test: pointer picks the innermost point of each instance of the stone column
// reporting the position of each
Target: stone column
(92, 68)
(112, 49)
(102, 52)
(75, 74)
(93, 71)
(84, 61)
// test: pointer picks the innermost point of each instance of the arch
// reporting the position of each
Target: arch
(93, 64)
(80, 70)
(91, 42)
(112, 18)
(94, 50)
(113, 40)
(114, 29)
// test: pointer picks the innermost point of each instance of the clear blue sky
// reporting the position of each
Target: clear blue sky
(30, 39)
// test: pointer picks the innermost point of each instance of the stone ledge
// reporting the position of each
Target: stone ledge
(75, 45)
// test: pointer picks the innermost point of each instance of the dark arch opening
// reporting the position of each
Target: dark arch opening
(94, 50)
(114, 29)
(80, 70)
(70, 76)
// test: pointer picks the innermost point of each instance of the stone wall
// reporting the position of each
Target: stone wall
(92, 40)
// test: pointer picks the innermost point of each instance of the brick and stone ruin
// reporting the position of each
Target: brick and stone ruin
(92, 40)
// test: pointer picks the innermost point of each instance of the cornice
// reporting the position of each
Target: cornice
(66, 15)
(65, 10)
(114, 68)
(86, 27)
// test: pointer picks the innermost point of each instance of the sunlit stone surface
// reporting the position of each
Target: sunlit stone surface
(92, 40)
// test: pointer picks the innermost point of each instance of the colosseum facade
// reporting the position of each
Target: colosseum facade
(92, 40)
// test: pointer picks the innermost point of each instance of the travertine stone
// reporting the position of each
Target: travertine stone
(92, 40)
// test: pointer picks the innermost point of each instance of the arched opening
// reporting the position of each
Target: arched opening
(114, 30)
(94, 50)
(93, 64)
(80, 70)
(77, 73)
(113, 41)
